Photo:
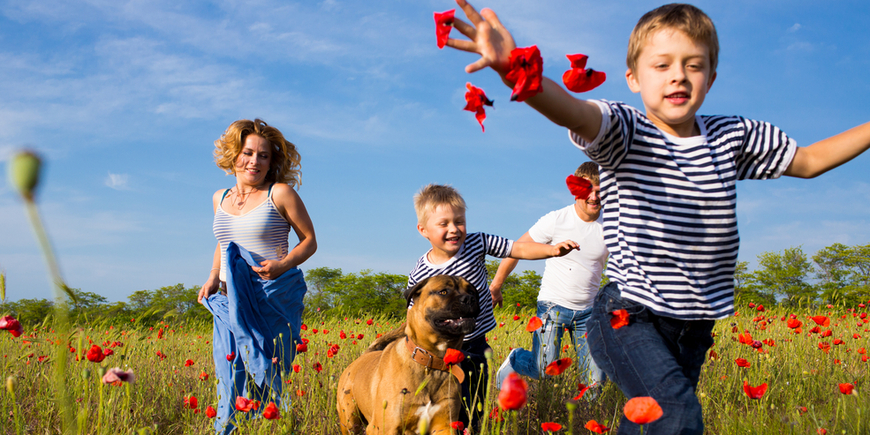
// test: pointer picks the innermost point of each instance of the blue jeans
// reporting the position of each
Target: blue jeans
(653, 356)
(547, 343)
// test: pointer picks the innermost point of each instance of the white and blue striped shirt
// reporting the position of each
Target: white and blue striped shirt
(669, 205)
(469, 263)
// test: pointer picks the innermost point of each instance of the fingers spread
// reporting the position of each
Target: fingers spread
(470, 12)
(464, 28)
(461, 44)
(490, 16)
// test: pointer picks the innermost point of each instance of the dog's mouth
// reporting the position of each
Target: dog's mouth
(455, 326)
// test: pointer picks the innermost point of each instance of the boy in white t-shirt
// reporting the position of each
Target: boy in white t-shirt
(569, 284)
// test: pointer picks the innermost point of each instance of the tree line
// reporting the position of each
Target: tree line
(837, 275)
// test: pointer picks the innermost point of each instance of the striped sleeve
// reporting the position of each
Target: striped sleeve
(766, 151)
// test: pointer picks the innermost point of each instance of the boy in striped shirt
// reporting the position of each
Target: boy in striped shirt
(668, 188)
(441, 220)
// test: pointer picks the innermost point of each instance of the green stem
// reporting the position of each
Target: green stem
(61, 315)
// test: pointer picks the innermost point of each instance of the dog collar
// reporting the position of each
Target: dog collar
(424, 358)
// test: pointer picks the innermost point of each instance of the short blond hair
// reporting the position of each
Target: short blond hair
(677, 16)
(285, 163)
(589, 171)
(433, 195)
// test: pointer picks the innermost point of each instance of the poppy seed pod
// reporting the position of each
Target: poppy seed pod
(24, 173)
(10, 384)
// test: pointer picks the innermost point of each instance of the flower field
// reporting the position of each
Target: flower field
(771, 371)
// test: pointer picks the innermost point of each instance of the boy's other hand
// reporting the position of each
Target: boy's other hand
(496, 296)
(488, 37)
(563, 248)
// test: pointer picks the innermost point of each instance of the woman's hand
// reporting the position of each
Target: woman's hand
(270, 269)
(212, 286)
(488, 37)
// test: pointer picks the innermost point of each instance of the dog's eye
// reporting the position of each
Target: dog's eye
(442, 292)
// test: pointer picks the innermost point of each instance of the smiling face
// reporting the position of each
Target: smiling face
(252, 164)
(445, 230)
(673, 75)
(590, 208)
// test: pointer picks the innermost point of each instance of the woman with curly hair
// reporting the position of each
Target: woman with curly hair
(255, 288)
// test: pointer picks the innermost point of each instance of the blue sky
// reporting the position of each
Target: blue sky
(125, 98)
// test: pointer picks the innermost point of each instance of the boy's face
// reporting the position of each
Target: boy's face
(673, 76)
(445, 229)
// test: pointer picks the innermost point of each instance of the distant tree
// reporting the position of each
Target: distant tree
(86, 305)
(30, 311)
(368, 292)
(318, 280)
(747, 289)
(784, 276)
(843, 273)
(517, 289)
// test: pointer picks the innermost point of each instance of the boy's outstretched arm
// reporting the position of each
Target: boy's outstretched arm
(827, 154)
(538, 251)
(489, 38)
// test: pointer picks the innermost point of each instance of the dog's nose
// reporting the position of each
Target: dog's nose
(467, 300)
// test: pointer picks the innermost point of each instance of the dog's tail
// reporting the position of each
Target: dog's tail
(382, 342)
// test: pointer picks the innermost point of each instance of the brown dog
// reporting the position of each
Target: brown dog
(402, 378)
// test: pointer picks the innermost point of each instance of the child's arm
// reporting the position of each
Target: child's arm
(827, 154)
(489, 38)
(537, 251)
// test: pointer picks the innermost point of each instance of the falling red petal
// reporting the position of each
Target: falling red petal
(443, 26)
(526, 72)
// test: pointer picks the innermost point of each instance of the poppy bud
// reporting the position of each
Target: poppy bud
(86, 374)
(10, 384)
(24, 173)
(2, 286)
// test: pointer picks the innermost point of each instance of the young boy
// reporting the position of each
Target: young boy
(441, 220)
(569, 284)
(668, 194)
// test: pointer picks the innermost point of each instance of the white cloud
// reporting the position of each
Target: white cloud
(118, 181)
(794, 28)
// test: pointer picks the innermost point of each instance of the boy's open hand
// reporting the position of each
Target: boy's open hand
(488, 37)
(563, 248)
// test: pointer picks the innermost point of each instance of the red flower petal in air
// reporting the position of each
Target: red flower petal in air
(619, 319)
(822, 321)
(556, 368)
(579, 79)
(596, 427)
(580, 187)
(453, 356)
(443, 26)
(742, 362)
(535, 323)
(475, 99)
(526, 71)
(583, 388)
(642, 410)
(551, 427)
(514, 393)
(846, 388)
(243, 404)
(270, 412)
(754, 392)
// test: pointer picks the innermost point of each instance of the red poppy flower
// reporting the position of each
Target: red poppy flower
(161, 355)
(301, 348)
(514, 392)
(318, 367)
(188, 363)
(619, 319)
(297, 368)
(596, 427)
(244, 404)
(231, 356)
(821, 431)
(742, 362)
(108, 352)
(580, 79)
(95, 354)
(443, 26)
(458, 426)
(495, 414)
(821, 321)
(475, 99)
(210, 412)
(203, 376)
(535, 323)
(794, 323)
(582, 388)
(556, 368)
(516, 317)
(745, 338)
(370, 321)
(838, 342)
(526, 71)
(551, 427)
(453, 356)
(846, 388)
(270, 412)
(824, 347)
(642, 410)
(754, 392)
(300, 393)
(760, 308)
(191, 402)
(12, 325)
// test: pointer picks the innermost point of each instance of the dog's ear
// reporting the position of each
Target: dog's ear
(410, 292)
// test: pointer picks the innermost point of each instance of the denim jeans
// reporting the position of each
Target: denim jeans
(653, 356)
(547, 343)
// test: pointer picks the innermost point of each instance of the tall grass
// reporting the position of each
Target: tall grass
(798, 373)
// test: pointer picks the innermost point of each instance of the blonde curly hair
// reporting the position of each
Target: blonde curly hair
(285, 164)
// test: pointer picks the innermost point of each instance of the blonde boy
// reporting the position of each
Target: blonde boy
(668, 192)
(441, 220)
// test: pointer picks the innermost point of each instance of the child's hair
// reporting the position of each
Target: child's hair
(685, 18)
(589, 171)
(284, 167)
(433, 195)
